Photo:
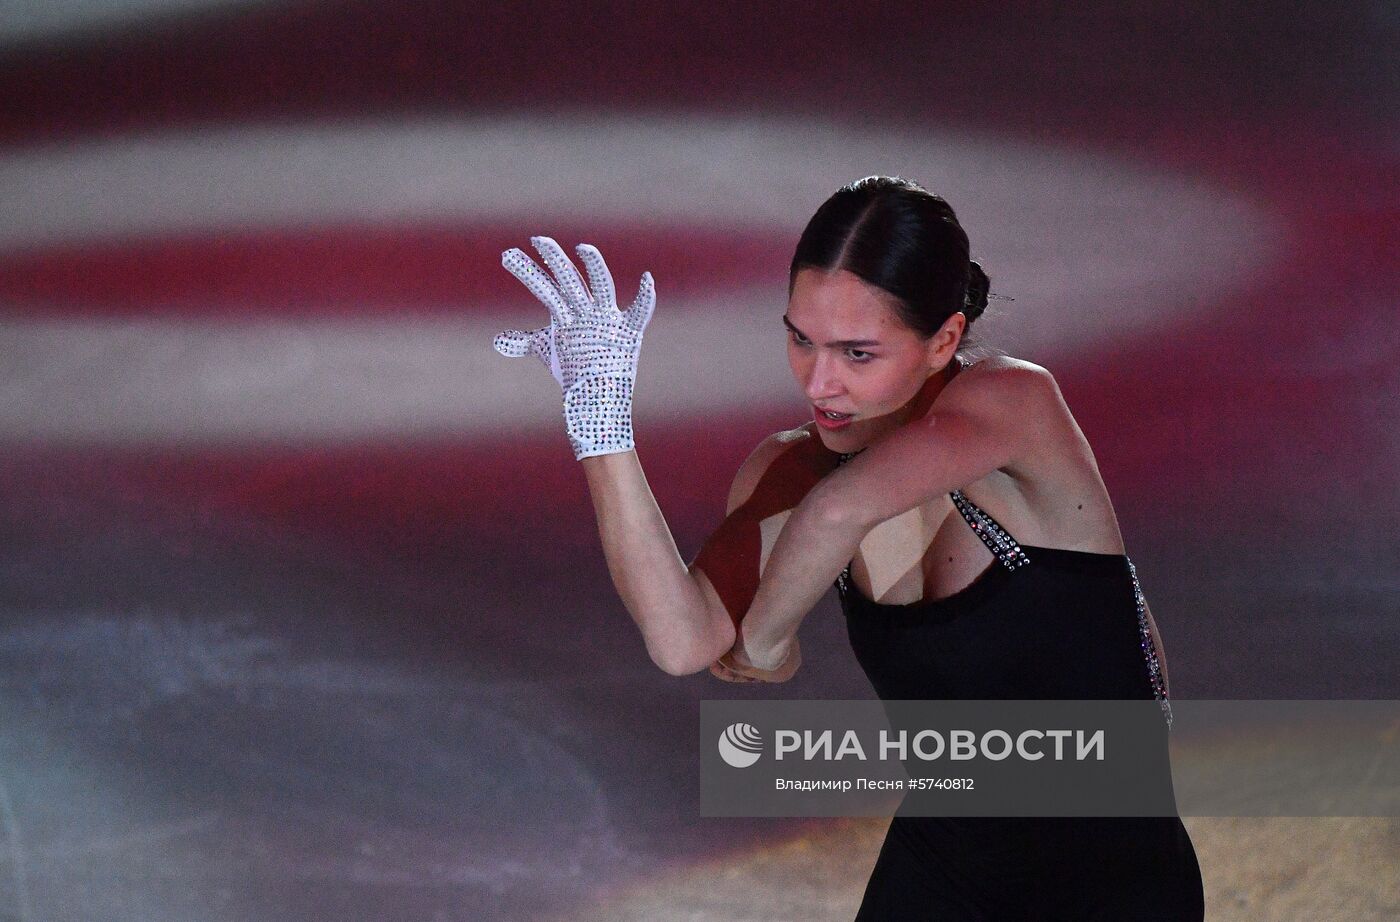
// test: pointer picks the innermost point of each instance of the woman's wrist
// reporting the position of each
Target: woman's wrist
(772, 658)
(602, 462)
(598, 415)
(762, 656)
(737, 662)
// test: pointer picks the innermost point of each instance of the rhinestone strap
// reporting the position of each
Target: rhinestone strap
(998, 541)
(1149, 650)
(843, 579)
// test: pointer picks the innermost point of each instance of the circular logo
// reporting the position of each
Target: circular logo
(740, 745)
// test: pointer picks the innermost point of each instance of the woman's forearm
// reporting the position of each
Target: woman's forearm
(683, 634)
(814, 546)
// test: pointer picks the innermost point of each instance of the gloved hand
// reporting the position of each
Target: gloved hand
(590, 346)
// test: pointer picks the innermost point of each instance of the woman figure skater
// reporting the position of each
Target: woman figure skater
(957, 506)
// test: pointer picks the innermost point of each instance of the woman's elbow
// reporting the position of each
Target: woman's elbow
(695, 654)
(679, 665)
(679, 662)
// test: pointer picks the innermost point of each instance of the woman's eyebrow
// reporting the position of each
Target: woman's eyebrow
(842, 343)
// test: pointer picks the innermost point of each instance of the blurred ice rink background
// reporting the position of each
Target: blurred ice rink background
(302, 609)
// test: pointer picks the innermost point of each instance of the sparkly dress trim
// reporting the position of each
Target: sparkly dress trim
(997, 539)
(1149, 649)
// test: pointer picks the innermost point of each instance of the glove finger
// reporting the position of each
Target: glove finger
(539, 283)
(570, 283)
(599, 277)
(542, 345)
(539, 343)
(639, 314)
(512, 343)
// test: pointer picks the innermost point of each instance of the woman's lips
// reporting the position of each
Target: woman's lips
(826, 422)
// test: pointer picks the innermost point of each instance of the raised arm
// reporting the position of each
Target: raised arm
(681, 618)
(987, 419)
(591, 348)
(689, 615)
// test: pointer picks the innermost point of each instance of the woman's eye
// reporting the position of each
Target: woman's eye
(857, 355)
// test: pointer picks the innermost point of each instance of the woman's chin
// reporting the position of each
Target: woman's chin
(838, 441)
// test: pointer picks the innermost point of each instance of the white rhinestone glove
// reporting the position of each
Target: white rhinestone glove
(590, 346)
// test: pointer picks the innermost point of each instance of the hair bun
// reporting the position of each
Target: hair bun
(977, 287)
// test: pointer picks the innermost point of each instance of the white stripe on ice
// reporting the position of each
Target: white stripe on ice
(1093, 249)
(24, 20)
(205, 381)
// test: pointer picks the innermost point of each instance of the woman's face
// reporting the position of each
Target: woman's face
(852, 354)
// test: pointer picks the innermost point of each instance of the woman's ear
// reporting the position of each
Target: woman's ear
(943, 345)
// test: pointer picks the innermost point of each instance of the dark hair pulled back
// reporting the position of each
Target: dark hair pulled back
(896, 235)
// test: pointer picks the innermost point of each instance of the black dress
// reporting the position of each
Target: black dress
(1039, 623)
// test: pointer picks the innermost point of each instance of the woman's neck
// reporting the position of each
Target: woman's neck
(919, 405)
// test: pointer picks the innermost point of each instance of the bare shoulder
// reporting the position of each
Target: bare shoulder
(800, 447)
(1000, 379)
(1007, 391)
(1021, 401)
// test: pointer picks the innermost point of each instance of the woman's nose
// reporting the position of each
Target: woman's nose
(822, 380)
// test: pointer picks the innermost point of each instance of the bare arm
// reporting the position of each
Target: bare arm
(769, 484)
(591, 348)
(683, 625)
(978, 430)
